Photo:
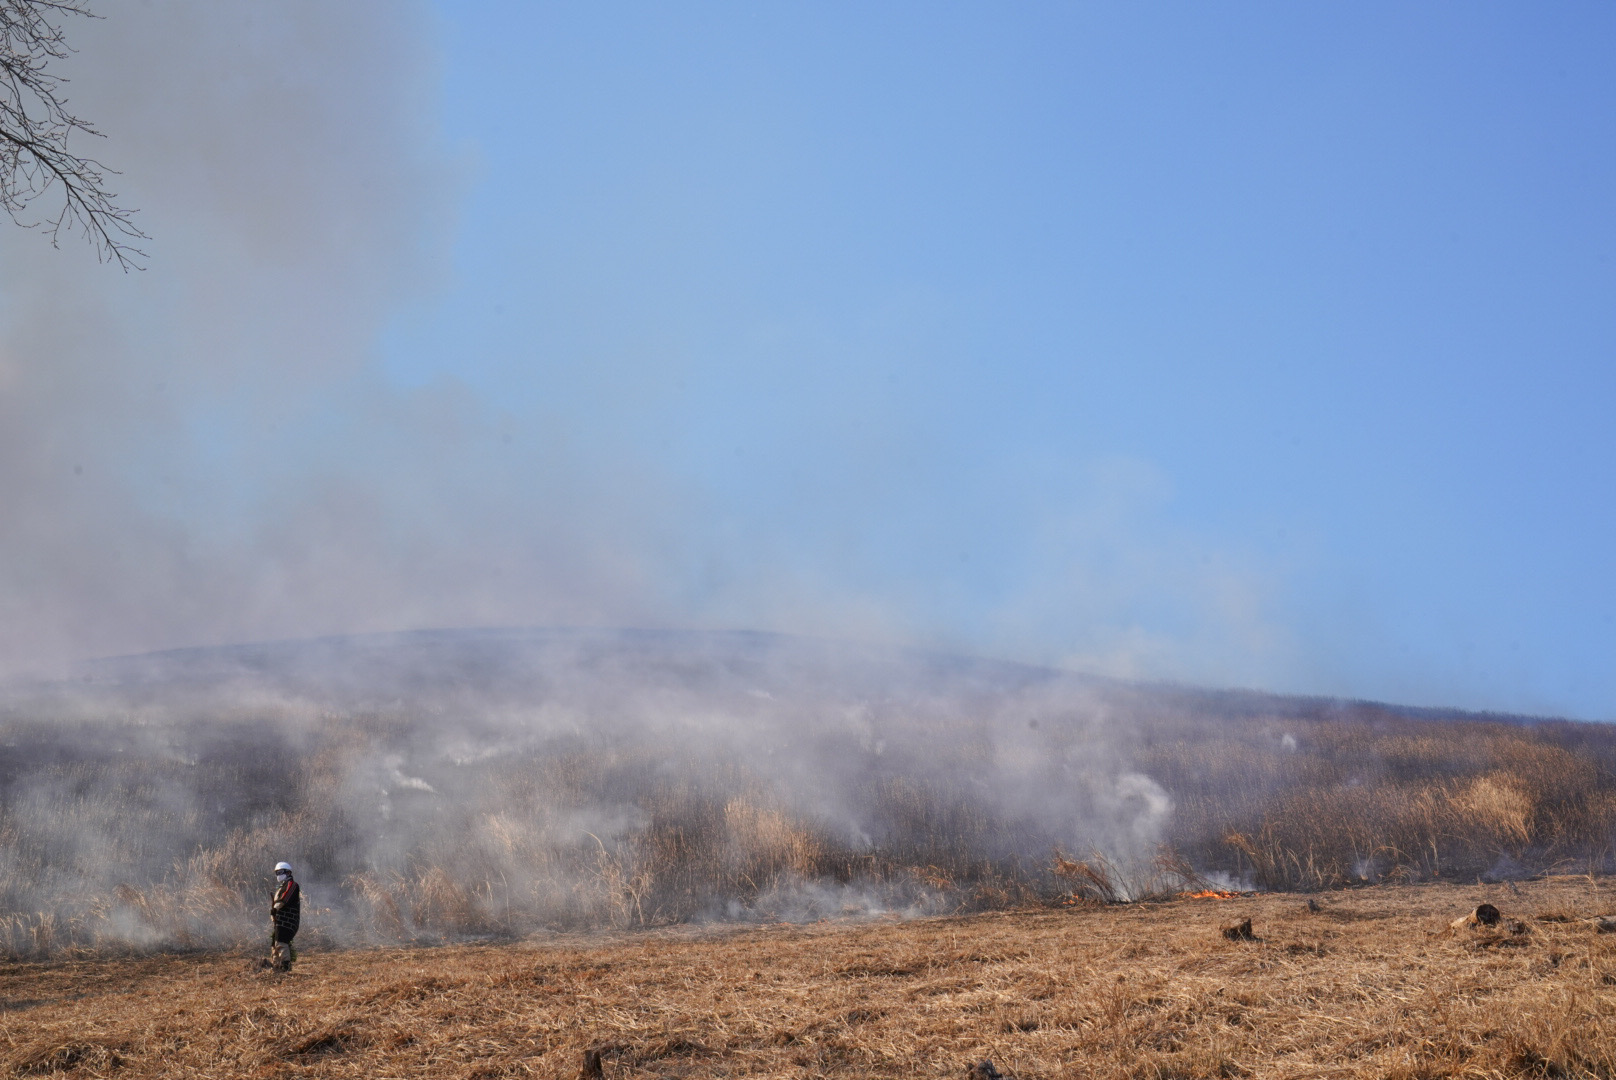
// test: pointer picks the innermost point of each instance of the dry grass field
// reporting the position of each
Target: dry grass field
(1364, 983)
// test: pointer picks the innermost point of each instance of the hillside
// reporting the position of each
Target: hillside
(1369, 985)
(448, 786)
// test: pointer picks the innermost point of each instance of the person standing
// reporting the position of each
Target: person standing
(285, 912)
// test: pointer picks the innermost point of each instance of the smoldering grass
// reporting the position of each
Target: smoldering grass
(623, 805)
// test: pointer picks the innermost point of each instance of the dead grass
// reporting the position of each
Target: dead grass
(1371, 984)
(1321, 803)
(167, 845)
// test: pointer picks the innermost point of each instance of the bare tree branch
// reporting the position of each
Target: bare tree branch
(35, 129)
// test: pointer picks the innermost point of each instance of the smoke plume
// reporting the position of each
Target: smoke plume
(440, 784)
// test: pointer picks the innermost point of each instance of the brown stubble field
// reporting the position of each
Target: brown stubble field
(1370, 985)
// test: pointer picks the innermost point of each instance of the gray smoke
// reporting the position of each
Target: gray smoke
(168, 461)
(207, 452)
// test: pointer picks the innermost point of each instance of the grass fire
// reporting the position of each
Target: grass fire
(664, 854)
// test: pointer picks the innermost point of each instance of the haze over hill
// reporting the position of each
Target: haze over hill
(519, 664)
(1260, 348)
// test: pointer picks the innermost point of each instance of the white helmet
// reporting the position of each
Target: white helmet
(283, 866)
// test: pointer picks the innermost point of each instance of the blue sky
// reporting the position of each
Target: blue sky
(1267, 344)
(1256, 345)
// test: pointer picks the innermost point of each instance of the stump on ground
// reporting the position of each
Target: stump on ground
(1240, 931)
(1484, 915)
(983, 1070)
(591, 1069)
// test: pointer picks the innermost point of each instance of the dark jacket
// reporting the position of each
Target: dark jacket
(287, 910)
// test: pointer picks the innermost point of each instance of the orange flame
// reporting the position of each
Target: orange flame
(1211, 894)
